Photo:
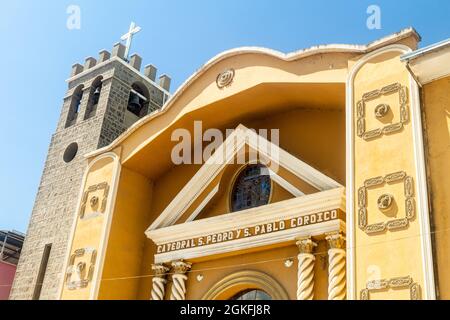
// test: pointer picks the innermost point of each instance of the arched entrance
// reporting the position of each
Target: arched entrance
(242, 282)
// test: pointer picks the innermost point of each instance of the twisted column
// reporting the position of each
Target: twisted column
(179, 279)
(159, 281)
(336, 267)
(305, 273)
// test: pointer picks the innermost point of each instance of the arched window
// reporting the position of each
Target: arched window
(252, 188)
(252, 294)
(94, 98)
(138, 100)
(74, 108)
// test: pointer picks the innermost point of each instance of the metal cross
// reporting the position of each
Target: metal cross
(129, 36)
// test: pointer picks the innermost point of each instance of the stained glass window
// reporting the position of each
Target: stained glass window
(252, 188)
(252, 295)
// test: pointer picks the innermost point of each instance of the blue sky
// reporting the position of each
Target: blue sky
(177, 36)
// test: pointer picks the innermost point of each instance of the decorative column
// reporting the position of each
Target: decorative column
(336, 266)
(159, 281)
(179, 279)
(305, 273)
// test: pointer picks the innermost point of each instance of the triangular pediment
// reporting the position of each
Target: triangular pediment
(203, 186)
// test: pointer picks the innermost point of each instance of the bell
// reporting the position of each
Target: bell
(96, 96)
(97, 91)
(134, 104)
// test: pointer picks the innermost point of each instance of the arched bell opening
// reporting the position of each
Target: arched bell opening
(94, 98)
(138, 100)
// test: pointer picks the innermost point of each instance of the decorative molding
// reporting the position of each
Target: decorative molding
(335, 240)
(94, 200)
(393, 283)
(384, 202)
(421, 184)
(381, 110)
(305, 245)
(181, 266)
(232, 284)
(81, 271)
(288, 209)
(225, 78)
(240, 137)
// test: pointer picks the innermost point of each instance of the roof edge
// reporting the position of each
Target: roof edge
(292, 56)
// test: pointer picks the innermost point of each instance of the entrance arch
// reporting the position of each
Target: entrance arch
(236, 282)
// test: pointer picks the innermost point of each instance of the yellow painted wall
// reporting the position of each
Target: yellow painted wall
(126, 239)
(270, 262)
(305, 99)
(397, 253)
(88, 232)
(319, 135)
(436, 116)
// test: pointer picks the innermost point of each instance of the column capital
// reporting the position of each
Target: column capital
(305, 245)
(160, 270)
(181, 267)
(335, 240)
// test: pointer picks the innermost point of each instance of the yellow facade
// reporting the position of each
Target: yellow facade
(332, 172)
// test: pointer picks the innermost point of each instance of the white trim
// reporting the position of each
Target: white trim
(293, 56)
(285, 184)
(203, 204)
(252, 242)
(421, 183)
(311, 203)
(275, 177)
(283, 210)
(426, 50)
(422, 194)
(224, 155)
(429, 64)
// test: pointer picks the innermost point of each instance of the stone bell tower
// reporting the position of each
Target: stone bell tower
(105, 96)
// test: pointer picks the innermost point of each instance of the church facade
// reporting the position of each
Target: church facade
(319, 174)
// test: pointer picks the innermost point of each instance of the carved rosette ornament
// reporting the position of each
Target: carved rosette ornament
(336, 266)
(94, 200)
(305, 273)
(225, 78)
(159, 281)
(179, 279)
(78, 274)
(385, 201)
(381, 110)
